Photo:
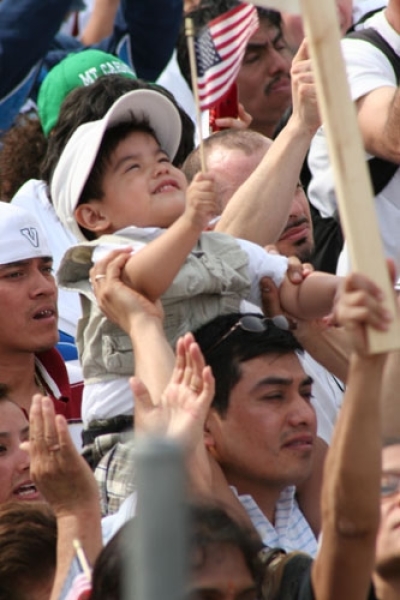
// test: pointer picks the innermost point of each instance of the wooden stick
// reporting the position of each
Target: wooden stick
(189, 31)
(352, 182)
(83, 561)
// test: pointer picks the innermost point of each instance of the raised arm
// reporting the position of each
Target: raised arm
(100, 22)
(312, 298)
(350, 493)
(259, 210)
(68, 485)
(141, 319)
(152, 270)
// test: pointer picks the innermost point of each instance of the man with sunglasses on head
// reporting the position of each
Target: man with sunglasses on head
(262, 427)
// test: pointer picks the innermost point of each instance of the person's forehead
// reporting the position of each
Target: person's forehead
(272, 365)
(26, 262)
(234, 162)
(391, 458)
(266, 32)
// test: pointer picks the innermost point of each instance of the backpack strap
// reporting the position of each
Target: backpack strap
(381, 170)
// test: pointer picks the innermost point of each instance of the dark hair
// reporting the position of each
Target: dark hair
(241, 346)
(246, 140)
(208, 525)
(23, 148)
(28, 534)
(211, 524)
(86, 104)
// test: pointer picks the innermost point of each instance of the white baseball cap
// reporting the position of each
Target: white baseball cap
(21, 235)
(79, 155)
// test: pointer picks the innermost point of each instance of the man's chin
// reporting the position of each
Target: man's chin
(389, 568)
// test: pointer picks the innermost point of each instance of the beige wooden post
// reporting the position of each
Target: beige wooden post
(352, 182)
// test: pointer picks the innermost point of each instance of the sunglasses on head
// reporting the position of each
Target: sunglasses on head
(252, 324)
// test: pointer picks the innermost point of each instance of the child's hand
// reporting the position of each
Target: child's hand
(201, 200)
(359, 304)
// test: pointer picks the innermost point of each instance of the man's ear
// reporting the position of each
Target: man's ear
(91, 216)
(210, 433)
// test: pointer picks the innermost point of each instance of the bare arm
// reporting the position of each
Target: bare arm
(312, 298)
(254, 212)
(152, 270)
(328, 345)
(181, 415)
(141, 319)
(101, 22)
(350, 493)
(378, 117)
(68, 485)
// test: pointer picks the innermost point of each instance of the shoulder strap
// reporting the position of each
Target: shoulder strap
(381, 170)
(373, 37)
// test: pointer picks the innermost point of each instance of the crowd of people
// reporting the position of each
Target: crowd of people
(159, 294)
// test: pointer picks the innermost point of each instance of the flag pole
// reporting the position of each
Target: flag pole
(189, 31)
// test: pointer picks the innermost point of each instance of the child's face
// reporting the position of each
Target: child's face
(141, 187)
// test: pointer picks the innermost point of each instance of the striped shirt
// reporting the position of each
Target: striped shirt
(291, 531)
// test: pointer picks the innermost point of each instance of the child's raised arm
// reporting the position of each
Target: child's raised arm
(312, 298)
(152, 270)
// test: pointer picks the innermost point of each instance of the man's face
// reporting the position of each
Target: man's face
(267, 435)
(387, 555)
(28, 306)
(297, 238)
(264, 78)
(221, 574)
(232, 167)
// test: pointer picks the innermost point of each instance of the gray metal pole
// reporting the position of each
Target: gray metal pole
(156, 568)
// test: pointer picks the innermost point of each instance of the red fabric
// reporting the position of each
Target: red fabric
(69, 404)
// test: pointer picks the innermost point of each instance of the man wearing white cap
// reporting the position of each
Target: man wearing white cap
(29, 362)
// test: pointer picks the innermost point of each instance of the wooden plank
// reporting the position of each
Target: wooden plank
(352, 181)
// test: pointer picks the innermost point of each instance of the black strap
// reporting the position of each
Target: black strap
(381, 170)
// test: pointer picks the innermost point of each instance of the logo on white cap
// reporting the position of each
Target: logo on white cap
(32, 235)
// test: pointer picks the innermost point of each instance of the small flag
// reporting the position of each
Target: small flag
(78, 583)
(81, 588)
(219, 48)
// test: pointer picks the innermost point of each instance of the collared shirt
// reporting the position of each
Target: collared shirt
(291, 530)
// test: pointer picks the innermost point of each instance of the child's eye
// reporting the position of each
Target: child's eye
(164, 159)
(3, 449)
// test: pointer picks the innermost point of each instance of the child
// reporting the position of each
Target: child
(115, 185)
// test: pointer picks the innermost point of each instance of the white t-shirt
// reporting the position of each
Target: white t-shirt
(367, 69)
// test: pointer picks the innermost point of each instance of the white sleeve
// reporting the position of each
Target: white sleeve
(367, 67)
(102, 250)
(262, 264)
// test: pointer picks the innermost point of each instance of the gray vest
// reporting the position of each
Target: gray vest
(213, 281)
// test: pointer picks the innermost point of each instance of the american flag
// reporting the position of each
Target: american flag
(219, 49)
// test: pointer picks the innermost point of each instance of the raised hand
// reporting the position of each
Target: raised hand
(304, 93)
(202, 202)
(360, 303)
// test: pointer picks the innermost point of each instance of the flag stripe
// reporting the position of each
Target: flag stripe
(220, 48)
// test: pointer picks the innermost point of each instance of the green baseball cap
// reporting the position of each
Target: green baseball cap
(76, 70)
